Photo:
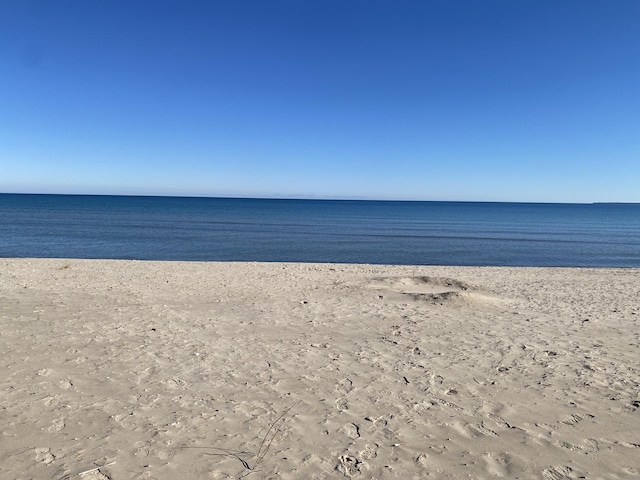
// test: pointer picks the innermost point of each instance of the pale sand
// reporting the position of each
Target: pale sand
(178, 371)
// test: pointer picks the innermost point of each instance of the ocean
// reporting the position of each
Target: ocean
(340, 231)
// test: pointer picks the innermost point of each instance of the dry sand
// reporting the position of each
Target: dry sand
(153, 370)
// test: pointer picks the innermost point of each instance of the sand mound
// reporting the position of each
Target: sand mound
(434, 290)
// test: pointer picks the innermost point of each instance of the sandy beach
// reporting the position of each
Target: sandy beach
(167, 370)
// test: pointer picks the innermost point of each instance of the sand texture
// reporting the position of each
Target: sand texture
(154, 370)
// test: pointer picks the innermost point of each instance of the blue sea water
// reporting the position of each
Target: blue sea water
(383, 232)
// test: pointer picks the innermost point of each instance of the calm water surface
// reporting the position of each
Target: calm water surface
(409, 233)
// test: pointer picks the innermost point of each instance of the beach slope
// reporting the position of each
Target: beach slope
(164, 370)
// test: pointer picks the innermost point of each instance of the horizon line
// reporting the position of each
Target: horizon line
(310, 198)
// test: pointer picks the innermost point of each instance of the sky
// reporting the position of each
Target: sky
(469, 100)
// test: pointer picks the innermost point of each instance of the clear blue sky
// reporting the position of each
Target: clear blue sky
(510, 100)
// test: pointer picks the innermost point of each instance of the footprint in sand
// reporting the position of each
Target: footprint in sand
(500, 421)
(483, 430)
(378, 422)
(389, 434)
(52, 401)
(43, 455)
(352, 430)
(630, 407)
(439, 449)
(452, 406)
(473, 430)
(344, 386)
(342, 404)
(629, 445)
(349, 466)
(504, 465)
(575, 419)
(57, 425)
(177, 382)
(565, 445)
(558, 473)
(590, 445)
(142, 449)
(369, 451)
(165, 454)
(65, 384)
